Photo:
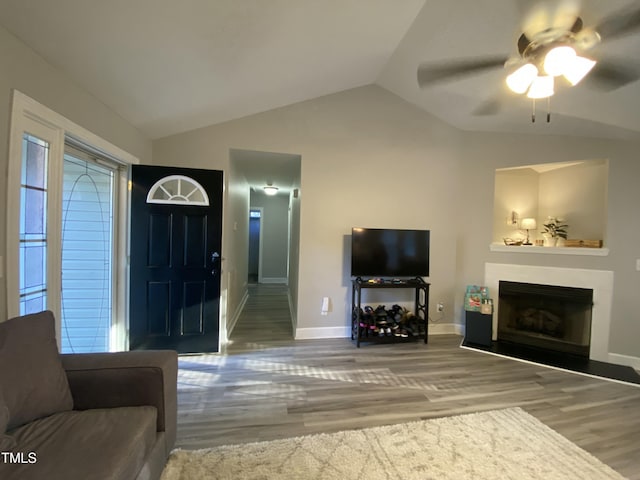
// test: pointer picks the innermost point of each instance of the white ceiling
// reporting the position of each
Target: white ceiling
(267, 168)
(168, 66)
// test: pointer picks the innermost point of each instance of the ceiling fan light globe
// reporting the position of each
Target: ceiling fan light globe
(577, 69)
(520, 80)
(270, 190)
(542, 87)
(557, 60)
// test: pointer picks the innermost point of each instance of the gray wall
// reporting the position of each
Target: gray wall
(275, 234)
(577, 194)
(484, 152)
(294, 253)
(24, 70)
(368, 158)
(235, 243)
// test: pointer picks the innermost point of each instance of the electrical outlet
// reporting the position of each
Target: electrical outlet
(440, 307)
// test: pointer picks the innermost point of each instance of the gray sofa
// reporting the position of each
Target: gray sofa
(82, 416)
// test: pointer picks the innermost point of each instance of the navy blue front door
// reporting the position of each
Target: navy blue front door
(175, 259)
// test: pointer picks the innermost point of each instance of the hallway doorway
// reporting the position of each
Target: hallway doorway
(255, 228)
(267, 252)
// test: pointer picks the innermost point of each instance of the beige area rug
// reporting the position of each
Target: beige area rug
(504, 444)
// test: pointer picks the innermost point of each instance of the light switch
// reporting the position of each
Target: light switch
(325, 306)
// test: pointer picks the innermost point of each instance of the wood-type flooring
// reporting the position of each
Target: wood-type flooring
(267, 386)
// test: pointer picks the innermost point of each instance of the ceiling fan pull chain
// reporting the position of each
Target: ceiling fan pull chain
(548, 109)
(533, 111)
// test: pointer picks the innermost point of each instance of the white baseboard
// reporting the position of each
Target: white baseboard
(627, 360)
(322, 332)
(445, 329)
(234, 320)
(292, 311)
(345, 332)
(281, 280)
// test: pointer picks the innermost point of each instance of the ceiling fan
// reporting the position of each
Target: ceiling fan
(554, 45)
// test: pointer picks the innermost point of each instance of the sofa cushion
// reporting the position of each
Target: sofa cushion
(35, 385)
(6, 442)
(99, 444)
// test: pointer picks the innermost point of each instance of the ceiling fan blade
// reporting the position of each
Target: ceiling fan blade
(431, 73)
(609, 75)
(491, 106)
(620, 23)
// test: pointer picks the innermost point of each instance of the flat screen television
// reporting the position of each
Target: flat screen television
(382, 252)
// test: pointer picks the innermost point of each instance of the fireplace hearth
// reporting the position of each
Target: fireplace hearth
(547, 317)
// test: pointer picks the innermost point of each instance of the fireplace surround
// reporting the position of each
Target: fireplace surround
(600, 282)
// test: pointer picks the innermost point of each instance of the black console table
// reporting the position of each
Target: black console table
(421, 306)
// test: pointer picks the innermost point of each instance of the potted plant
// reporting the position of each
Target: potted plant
(554, 228)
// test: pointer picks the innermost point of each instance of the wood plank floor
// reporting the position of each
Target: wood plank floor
(268, 386)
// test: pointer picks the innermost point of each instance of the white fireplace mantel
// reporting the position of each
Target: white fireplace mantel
(592, 252)
(600, 281)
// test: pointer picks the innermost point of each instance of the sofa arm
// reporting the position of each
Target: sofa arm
(126, 379)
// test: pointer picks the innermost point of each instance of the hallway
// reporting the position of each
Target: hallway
(265, 318)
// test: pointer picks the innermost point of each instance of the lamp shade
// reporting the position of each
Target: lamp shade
(542, 87)
(577, 69)
(520, 80)
(528, 224)
(556, 61)
(270, 190)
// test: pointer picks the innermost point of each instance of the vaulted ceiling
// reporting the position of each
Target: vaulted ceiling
(169, 66)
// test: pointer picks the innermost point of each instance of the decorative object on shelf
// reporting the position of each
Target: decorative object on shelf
(554, 228)
(583, 243)
(528, 224)
(486, 307)
(510, 242)
(474, 297)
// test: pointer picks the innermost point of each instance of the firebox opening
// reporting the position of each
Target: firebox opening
(545, 316)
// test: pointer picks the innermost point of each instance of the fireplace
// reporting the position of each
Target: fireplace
(599, 281)
(548, 317)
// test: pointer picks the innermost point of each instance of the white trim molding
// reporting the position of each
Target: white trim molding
(628, 360)
(317, 333)
(446, 329)
(345, 331)
(234, 320)
(278, 280)
(28, 115)
(594, 252)
(189, 192)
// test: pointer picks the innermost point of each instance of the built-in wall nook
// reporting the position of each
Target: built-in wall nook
(531, 201)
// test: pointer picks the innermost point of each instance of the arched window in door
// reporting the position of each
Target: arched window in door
(178, 190)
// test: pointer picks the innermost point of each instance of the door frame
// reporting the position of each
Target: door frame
(28, 114)
(260, 236)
